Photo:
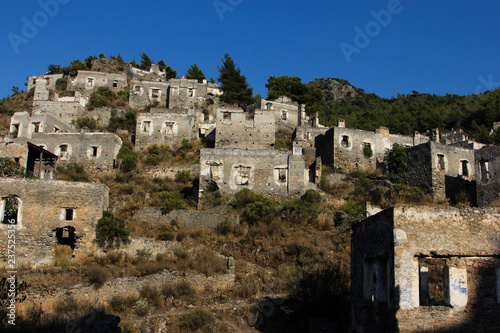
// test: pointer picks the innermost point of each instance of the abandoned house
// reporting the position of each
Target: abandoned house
(145, 93)
(95, 151)
(47, 214)
(286, 111)
(154, 74)
(165, 126)
(426, 269)
(189, 93)
(487, 170)
(87, 82)
(49, 80)
(353, 149)
(442, 171)
(37, 161)
(23, 125)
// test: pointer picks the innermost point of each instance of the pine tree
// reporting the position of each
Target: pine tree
(119, 58)
(171, 74)
(235, 89)
(146, 62)
(195, 73)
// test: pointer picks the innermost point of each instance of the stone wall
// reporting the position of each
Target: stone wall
(95, 151)
(162, 172)
(187, 218)
(145, 93)
(25, 124)
(189, 93)
(286, 111)
(392, 260)
(154, 74)
(262, 170)
(50, 81)
(51, 213)
(165, 126)
(441, 170)
(65, 111)
(87, 82)
(248, 130)
(487, 170)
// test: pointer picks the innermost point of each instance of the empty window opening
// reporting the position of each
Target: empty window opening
(94, 151)
(226, 115)
(69, 214)
(66, 236)
(115, 83)
(155, 93)
(345, 141)
(15, 130)
(431, 281)
(191, 92)
(146, 126)
(282, 175)
(90, 82)
(169, 127)
(16, 159)
(441, 163)
(284, 115)
(137, 89)
(56, 129)
(243, 175)
(36, 127)
(485, 170)
(465, 168)
(64, 150)
(10, 209)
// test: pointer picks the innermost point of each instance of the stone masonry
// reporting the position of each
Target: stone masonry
(416, 269)
(487, 170)
(51, 213)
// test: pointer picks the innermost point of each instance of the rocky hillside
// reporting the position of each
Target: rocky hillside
(336, 89)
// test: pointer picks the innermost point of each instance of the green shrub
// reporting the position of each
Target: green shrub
(171, 201)
(363, 186)
(260, 211)
(88, 122)
(397, 160)
(10, 168)
(97, 275)
(196, 319)
(183, 176)
(67, 93)
(61, 84)
(408, 194)
(72, 172)
(122, 303)
(245, 197)
(111, 231)
(186, 145)
(224, 227)
(129, 159)
(367, 151)
(311, 197)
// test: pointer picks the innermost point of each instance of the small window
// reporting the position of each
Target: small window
(345, 141)
(64, 150)
(69, 214)
(155, 93)
(226, 115)
(90, 82)
(431, 281)
(485, 170)
(243, 175)
(115, 83)
(36, 127)
(94, 151)
(441, 162)
(284, 115)
(137, 89)
(169, 127)
(56, 129)
(15, 130)
(191, 92)
(16, 159)
(281, 175)
(146, 126)
(465, 168)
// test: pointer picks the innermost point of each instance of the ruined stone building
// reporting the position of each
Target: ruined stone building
(165, 126)
(487, 171)
(426, 269)
(87, 82)
(353, 149)
(23, 125)
(442, 171)
(37, 161)
(48, 79)
(244, 156)
(47, 214)
(145, 93)
(189, 93)
(95, 151)
(286, 112)
(154, 73)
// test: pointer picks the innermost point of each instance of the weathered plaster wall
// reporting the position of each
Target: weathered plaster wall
(87, 82)
(42, 210)
(25, 124)
(144, 93)
(96, 151)
(487, 170)
(168, 126)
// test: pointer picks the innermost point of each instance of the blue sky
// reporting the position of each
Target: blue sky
(429, 46)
